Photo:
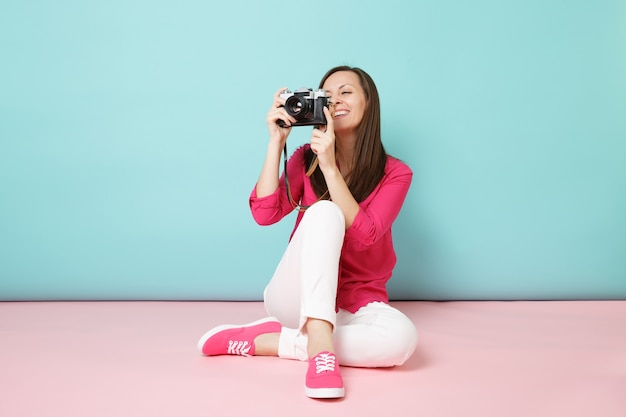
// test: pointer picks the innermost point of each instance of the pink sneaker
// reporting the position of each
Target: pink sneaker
(236, 340)
(323, 378)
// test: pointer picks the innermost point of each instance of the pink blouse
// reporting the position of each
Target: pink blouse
(367, 257)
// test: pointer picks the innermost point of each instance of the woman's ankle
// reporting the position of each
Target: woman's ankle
(320, 337)
(266, 344)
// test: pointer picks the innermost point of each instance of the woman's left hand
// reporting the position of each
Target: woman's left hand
(323, 143)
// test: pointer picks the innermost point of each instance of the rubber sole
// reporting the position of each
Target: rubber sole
(223, 327)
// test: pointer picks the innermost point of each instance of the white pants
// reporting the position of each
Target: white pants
(304, 286)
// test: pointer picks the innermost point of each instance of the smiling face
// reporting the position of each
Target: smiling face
(347, 95)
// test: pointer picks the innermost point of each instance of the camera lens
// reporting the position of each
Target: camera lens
(297, 106)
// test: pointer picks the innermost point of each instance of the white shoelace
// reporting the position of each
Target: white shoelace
(324, 362)
(239, 347)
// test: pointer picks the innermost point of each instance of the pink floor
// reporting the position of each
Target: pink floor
(500, 359)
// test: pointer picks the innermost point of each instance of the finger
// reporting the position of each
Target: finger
(283, 114)
(286, 116)
(330, 123)
(276, 115)
(279, 92)
(278, 100)
(318, 133)
(322, 132)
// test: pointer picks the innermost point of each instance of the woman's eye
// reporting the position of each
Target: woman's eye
(346, 92)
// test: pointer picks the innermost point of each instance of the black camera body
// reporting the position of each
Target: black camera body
(306, 106)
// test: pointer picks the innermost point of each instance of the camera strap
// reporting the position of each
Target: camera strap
(309, 172)
(288, 186)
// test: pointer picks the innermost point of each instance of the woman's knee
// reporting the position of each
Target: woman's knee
(388, 338)
(326, 211)
(397, 340)
(405, 337)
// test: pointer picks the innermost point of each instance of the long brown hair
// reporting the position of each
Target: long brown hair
(370, 158)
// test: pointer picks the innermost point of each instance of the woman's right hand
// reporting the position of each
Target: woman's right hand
(268, 181)
(277, 112)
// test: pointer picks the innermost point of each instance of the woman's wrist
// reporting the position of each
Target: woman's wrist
(331, 173)
(275, 145)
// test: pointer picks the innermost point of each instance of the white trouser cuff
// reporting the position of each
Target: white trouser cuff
(292, 344)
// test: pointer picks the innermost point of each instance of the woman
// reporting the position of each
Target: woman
(327, 301)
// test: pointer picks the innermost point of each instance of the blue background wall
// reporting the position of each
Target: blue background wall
(131, 133)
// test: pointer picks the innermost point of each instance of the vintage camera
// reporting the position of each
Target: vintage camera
(306, 106)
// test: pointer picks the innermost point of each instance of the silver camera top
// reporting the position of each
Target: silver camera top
(312, 94)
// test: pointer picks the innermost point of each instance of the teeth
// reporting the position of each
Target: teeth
(340, 113)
